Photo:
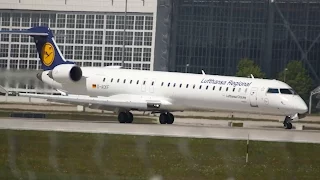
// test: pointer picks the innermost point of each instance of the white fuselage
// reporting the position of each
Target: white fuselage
(187, 91)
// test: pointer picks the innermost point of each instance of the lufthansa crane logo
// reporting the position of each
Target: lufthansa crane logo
(47, 54)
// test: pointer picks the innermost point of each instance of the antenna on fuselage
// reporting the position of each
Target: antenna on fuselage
(252, 76)
(203, 72)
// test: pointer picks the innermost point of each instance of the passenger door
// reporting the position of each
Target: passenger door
(143, 85)
(152, 84)
(253, 97)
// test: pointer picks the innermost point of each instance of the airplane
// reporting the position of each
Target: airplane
(125, 90)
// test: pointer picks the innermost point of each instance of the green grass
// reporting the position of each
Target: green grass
(53, 155)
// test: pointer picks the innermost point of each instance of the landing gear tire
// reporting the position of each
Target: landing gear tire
(122, 117)
(163, 118)
(287, 123)
(130, 117)
(125, 117)
(170, 119)
(166, 118)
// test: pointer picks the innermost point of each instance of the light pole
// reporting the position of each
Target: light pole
(187, 65)
(285, 72)
(124, 33)
(315, 91)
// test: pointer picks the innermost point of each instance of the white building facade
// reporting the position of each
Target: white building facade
(89, 33)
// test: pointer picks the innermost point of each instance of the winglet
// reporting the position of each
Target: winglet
(3, 90)
(203, 72)
(252, 76)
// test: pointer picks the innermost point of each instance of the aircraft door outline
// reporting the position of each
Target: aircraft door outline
(254, 97)
(152, 84)
(143, 85)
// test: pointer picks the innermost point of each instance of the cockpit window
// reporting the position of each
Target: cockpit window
(287, 91)
(273, 90)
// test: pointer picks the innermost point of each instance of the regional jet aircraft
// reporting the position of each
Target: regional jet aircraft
(124, 90)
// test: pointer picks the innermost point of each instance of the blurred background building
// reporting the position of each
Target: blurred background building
(88, 32)
(166, 35)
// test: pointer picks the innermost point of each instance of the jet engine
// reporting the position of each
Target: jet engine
(66, 73)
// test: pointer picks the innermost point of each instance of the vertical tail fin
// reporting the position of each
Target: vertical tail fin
(49, 52)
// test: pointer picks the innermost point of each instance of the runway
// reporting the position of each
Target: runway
(262, 134)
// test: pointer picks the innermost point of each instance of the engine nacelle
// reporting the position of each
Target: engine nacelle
(66, 73)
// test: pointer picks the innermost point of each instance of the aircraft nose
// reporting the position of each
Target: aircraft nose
(301, 106)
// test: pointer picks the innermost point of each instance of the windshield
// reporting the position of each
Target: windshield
(273, 90)
(287, 91)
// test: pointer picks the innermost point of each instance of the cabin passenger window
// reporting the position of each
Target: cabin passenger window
(111, 79)
(234, 89)
(168, 84)
(200, 86)
(104, 79)
(174, 85)
(246, 90)
(130, 81)
(220, 88)
(194, 86)
(213, 87)
(152, 83)
(273, 91)
(124, 81)
(227, 88)
(162, 84)
(137, 81)
(180, 85)
(118, 80)
(187, 85)
(144, 82)
(239, 90)
(207, 87)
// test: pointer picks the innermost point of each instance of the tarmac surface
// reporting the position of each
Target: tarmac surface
(203, 115)
(174, 130)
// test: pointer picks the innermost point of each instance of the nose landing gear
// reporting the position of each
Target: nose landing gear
(287, 122)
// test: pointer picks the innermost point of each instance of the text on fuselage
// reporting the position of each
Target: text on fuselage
(230, 82)
(100, 86)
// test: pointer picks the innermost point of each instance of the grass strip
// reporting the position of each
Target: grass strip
(84, 116)
(58, 155)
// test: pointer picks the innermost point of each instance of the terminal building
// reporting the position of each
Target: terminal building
(87, 32)
(165, 35)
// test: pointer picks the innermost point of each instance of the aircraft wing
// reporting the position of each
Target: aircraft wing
(123, 101)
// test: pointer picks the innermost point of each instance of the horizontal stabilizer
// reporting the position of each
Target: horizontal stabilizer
(3, 90)
(24, 32)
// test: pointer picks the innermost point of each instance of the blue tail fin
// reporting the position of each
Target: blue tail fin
(48, 50)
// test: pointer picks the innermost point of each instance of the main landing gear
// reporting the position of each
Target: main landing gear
(287, 122)
(125, 117)
(166, 118)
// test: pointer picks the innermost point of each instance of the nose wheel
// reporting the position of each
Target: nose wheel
(287, 123)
